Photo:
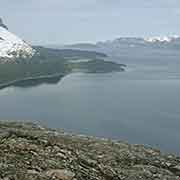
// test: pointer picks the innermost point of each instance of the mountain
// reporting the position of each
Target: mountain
(151, 42)
(164, 39)
(12, 47)
(128, 43)
(132, 48)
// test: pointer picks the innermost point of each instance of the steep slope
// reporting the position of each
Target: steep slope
(12, 47)
(2, 24)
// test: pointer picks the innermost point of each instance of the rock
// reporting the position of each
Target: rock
(168, 164)
(176, 169)
(6, 178)
(32, 172)
(2, 24)
(32, 153)
(61, 155)
(60, 174)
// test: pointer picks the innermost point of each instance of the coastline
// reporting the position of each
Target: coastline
(11, 83)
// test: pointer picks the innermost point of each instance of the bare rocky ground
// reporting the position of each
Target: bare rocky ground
(31, 152)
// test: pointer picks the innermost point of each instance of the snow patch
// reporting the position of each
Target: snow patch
(12, 46)
(161, 39)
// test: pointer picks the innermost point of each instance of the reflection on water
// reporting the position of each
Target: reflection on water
(34, 82)
(37, 82)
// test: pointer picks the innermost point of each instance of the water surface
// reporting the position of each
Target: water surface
(141, 105)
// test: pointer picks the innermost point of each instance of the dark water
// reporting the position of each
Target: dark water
(141, 105)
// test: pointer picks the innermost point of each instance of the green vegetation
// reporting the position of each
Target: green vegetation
(11, 72)
(48, 54)
(96, 66)
(49, 62)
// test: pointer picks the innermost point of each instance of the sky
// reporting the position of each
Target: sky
(79, 21)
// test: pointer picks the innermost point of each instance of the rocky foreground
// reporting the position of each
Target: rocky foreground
(30, 152)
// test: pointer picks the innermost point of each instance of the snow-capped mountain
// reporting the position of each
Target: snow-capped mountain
(12, 47)
(132, 41)
(135, 48)
(164, 39)
(172, 42)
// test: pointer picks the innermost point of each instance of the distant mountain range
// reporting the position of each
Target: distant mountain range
(131, 42)
(133, 48)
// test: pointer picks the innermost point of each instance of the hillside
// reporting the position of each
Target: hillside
(12, 47)
(20, 61)
(53, 63)
(29, 151)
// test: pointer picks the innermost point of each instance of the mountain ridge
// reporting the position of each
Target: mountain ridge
(164, 40)
(2, 24)
(12, 47)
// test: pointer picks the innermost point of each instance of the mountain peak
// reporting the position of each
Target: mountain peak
(166, 39)
(12, 47)
(2, 24)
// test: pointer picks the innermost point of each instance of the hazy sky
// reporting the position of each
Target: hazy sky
(72, 21)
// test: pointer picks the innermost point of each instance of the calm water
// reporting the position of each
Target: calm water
(141, 105)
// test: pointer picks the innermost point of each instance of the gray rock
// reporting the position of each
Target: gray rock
(30, 152)
(2, 24)
(60, 174)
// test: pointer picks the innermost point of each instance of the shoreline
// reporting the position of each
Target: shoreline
(30, 151)
(11, 83)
